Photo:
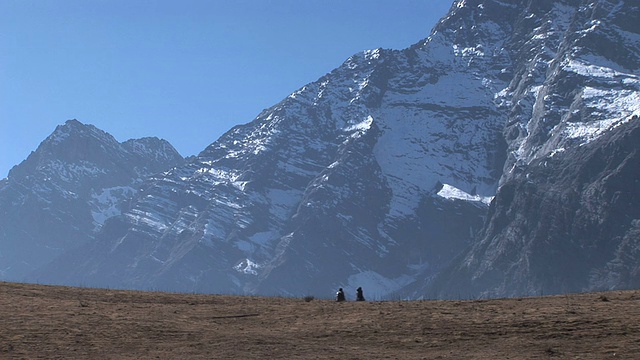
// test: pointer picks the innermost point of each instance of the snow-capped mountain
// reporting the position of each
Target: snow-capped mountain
(380, 174)
(60, 196)
(346, 182)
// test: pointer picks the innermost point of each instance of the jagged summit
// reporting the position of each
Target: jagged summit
(64, 191)
(75, 150)
(72, 131)
(68, 142)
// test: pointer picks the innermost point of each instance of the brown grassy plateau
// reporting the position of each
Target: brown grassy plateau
(51, 322)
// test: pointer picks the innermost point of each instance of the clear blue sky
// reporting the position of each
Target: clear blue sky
(183, 70)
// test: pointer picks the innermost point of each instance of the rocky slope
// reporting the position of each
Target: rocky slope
(565, 218)
(340, 184)
(60, 196)
(380, 173)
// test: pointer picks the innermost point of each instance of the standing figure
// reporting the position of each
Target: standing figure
(340, 295)
(359, 296)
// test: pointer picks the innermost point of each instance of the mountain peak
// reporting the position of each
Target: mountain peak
(75, 129)
(79, 146)
(73, 122)
(64, 192)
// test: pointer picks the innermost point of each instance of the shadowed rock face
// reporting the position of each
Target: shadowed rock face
(565, 216)
(380, 173)
(59, 197)
(568, 224)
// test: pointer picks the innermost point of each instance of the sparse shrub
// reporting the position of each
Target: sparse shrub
(308, 298)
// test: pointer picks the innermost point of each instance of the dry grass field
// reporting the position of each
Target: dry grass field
(47, 322)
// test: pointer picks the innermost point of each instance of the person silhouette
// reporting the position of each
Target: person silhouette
(359, 295)
(340, 295)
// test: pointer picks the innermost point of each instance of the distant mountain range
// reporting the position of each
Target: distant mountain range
(497, 157)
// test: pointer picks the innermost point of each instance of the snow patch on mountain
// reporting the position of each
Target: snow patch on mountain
(148, 219)
(107, 202)
(451, 192)
(360, 127)
(609, 106)
(247, 267)
(591, 130)
(589, 68)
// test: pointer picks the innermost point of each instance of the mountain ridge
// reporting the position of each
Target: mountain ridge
(392, 171)
(60, 196)
(352, 111)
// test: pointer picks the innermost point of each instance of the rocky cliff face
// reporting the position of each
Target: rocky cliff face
(380, 173)
(60, 196)
(565, 216)
(568, 224)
